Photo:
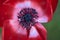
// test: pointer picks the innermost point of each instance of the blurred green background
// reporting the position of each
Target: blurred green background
(52, 27)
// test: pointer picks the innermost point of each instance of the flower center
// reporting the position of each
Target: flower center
(27, 17)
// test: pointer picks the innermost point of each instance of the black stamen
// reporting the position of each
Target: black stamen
(27, 18)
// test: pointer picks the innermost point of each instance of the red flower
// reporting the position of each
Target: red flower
(21, 19)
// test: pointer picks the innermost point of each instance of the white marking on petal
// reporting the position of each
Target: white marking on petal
(27, 4)
(16, 28)
(33, 32)
(42, 19)
(23, 4)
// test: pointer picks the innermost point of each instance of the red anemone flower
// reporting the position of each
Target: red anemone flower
(21, 19)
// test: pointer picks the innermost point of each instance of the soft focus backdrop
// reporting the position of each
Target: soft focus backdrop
(53, 27)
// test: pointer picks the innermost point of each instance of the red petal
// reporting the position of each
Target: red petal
(53, 4)
(6, 7)
(48, 6)
(11, 31)
(34, 34)
(42, 31)
(5, 13)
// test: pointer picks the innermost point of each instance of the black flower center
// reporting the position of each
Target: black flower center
(27, 17)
